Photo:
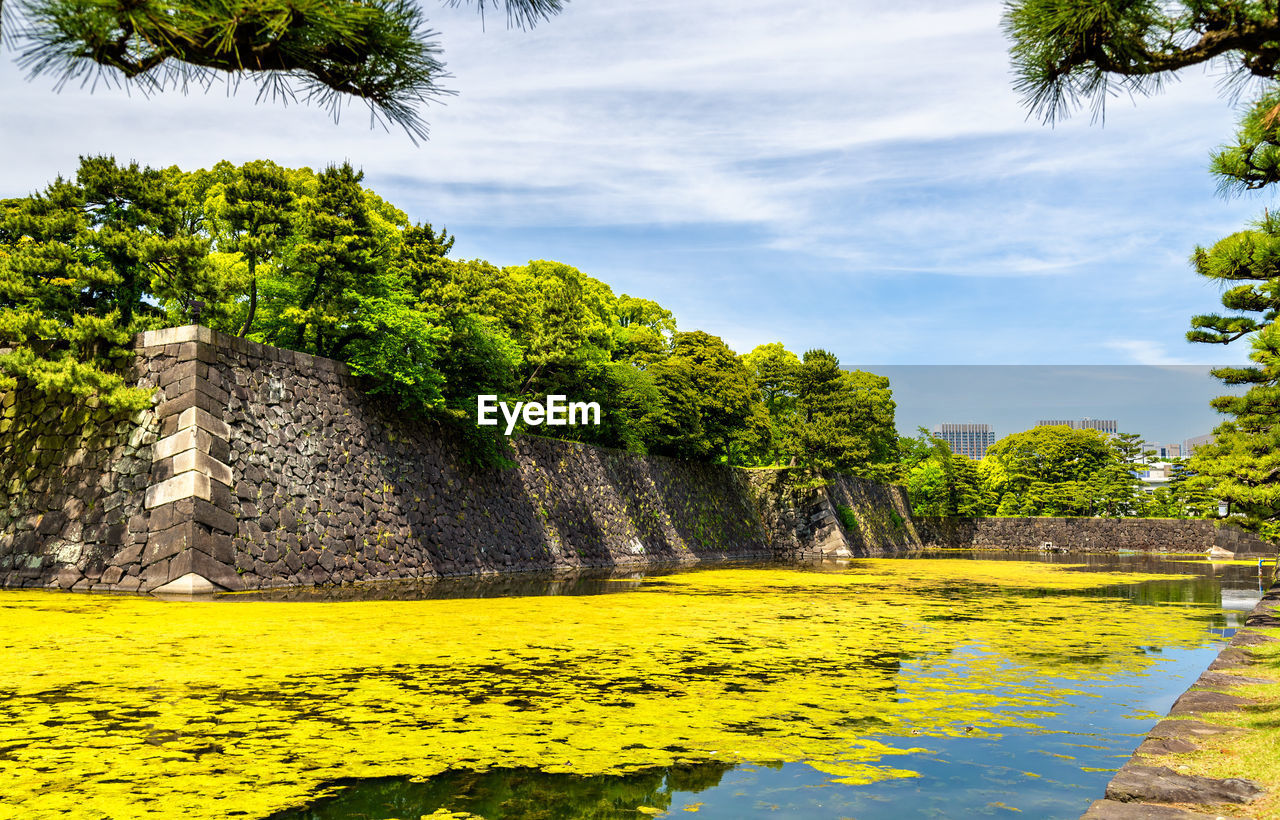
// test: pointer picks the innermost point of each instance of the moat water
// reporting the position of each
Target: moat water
(957, 686)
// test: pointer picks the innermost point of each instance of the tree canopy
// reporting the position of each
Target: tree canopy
(317, 262)
(1071, 52)
(323, 51)
(1066, 52)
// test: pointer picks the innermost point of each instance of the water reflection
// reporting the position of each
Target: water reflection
(948, 686)
(512, 794)
(979, 773)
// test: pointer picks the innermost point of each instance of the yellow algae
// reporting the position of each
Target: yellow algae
(117, 707)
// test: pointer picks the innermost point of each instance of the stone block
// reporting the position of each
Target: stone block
(195, 417)
(68, 577)
(182, 371)
(197, 562)
(199, 351)
(193, 398)
(190, 439)
(170, 542)
(127, 556)
(154, 575)
(1159, 784)
(180, 442)
(206, 513)
(177, 335)
(186, 485)
(196, 461)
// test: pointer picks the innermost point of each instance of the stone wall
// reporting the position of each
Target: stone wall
(72, 483)
(260, 467)
(807, 522)
(1089, 534)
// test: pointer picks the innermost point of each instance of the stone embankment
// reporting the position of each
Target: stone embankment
(1144, 788)
(1090, 535)
(259, 467)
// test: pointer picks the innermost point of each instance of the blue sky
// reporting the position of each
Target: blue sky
(846, 175)
(1165, 404)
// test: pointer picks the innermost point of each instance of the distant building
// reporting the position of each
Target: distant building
(1163, 452)
(1190, 445)
(1105, 425)
(971, 440)
(1158, 474)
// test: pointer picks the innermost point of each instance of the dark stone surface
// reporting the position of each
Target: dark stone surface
(1199, 701)
(1160, 784)
(1226, 680)
(1157, 746)
(1232, 658)
(1169, 728)
(1091, 535)
(1112, 810)
(1247, 637)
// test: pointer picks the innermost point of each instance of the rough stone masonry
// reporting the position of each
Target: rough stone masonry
(260, 467)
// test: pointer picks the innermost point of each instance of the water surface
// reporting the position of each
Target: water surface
(947, 687)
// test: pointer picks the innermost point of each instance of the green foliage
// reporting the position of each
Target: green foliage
(256, 216)
(316, 262)
(847, 517)
(844, 419)
(1243, 463)
(85, 265)
(940, 482)
(379, 52)
(722, 393)
(1066, 52)
(1055, 470)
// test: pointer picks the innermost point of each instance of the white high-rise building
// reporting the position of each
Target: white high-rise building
(971, 440)
(1086, 423)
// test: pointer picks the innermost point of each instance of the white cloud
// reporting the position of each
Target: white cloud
(851, 142)
(1145, 351)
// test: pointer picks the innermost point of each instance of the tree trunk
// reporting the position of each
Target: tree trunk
(253, 302)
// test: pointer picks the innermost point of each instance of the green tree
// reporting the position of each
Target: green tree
(678, 428)
(722, 391)
(85, 265)
(642, 330)
(379, 52)
(773, 370)
(566, 331)
(258, 212)
(1243, 462)
(337, 294)
(844, 420)
(1055, 470)
(944, 483)
(1067, 52)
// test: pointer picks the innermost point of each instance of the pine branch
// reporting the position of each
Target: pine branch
(324, 52)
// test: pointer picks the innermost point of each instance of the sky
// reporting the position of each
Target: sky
(1165, 404)
(856, 176)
